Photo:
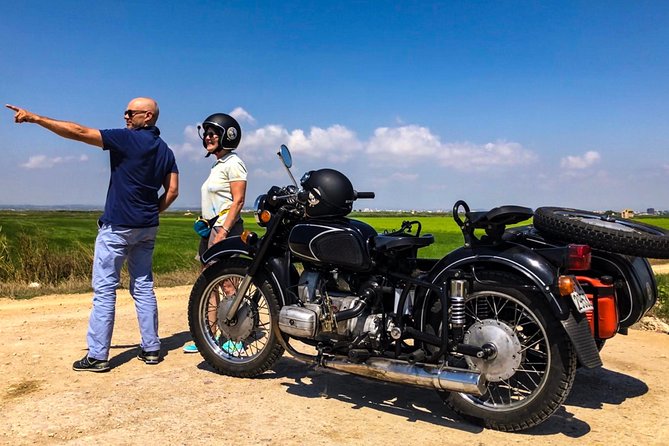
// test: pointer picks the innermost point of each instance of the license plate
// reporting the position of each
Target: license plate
(578, 296)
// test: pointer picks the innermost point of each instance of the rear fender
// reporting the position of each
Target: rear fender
(516, 258)
(540, 273)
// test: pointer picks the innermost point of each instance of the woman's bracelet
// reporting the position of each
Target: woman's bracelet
(227, 231)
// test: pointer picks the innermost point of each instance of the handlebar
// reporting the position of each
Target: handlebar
(303, 196)
(287, 195)
(364, 195)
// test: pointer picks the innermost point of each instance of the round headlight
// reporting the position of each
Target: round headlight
(259, 207)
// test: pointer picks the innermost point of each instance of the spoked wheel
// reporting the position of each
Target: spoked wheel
(245, 346)
(603, 232)
(533, 368)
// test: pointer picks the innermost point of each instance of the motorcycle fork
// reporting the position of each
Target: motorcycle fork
(255, 265)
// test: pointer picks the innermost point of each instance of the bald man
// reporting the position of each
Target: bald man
(141, 164)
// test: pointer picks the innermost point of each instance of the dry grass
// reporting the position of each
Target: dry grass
(22, 388)
(74, 285)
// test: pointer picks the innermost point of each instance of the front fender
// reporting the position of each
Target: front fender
(231, 246)
(273, 267)
(520, 259)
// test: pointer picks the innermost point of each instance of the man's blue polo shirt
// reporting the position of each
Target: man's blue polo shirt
(140, 160)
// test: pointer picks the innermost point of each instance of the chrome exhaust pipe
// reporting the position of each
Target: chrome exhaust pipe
(430, 376)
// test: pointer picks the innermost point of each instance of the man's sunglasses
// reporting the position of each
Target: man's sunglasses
(131, 113)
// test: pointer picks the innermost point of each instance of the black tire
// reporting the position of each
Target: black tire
(530, 382)
(250, 347)
(602, 232)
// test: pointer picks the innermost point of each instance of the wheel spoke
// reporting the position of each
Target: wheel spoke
(510, 387)
(530, 342)
(257, 308)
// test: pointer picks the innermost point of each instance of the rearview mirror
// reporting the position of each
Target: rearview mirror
(286, 157)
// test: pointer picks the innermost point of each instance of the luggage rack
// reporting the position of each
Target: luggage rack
(403, 239)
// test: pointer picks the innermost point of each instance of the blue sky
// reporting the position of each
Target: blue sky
(425, 103)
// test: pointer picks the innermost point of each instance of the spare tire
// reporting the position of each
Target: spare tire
(603, 232)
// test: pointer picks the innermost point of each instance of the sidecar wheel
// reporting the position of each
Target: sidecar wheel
(535, 366)
(244, 349)
(602, 232)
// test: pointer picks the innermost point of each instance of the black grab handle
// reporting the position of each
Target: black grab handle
(456, 207)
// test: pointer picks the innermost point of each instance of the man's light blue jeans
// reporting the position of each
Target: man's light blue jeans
(113, 246)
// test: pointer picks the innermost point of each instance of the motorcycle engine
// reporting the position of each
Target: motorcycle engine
(322, 296)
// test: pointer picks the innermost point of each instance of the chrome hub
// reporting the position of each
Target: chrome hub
(502, 338)
(241, 326)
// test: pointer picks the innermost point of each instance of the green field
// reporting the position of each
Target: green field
(177, 243)
(55, 248)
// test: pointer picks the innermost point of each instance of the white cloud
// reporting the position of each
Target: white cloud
(464, 156)
(242, 115)
(192, 145)
(278, 174)
(334, 144)
(45, 162)
(399, 176)
(412, 144)
(581, 162)
(403, 145)
(407, 142)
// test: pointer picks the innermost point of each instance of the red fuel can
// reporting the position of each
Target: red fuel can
(603, 318)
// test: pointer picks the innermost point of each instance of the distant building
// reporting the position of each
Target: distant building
(650, 211)
(627, 213)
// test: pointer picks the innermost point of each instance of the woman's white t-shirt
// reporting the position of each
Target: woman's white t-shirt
(216, 193)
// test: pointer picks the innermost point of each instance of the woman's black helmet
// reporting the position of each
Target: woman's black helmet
(330, 193)
(228, 129)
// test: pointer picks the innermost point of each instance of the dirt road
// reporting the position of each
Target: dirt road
(181, 401)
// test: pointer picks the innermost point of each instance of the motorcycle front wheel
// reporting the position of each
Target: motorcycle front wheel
(533, 369)
(247, 346)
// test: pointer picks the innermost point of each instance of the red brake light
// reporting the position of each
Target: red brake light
(579, 257)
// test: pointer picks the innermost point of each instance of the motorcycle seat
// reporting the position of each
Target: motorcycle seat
(499, 216)
(391, 242)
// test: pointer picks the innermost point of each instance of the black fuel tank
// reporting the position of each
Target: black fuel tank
(341, 243)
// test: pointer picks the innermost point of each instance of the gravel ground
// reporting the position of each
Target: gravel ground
(182, 401)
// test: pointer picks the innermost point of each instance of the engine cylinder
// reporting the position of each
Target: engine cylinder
(298, 321)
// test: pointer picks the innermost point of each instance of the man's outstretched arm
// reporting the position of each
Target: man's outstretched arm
(65, 129)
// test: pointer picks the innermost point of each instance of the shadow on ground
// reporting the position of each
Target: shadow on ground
(168, 344)
(592, 389)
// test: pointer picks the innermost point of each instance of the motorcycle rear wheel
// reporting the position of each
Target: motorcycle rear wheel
(603, 232)
(247, 348)
(528, 381)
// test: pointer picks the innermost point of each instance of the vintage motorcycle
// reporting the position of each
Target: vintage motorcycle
(497, 327)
